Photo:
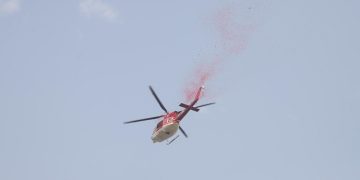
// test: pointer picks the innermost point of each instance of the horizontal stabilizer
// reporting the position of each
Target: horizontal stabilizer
(187, 106)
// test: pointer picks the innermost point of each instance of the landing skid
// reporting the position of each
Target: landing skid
(172, 140)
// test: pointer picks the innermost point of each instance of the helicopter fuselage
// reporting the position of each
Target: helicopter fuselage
(166, 127)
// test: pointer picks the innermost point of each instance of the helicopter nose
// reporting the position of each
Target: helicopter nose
(153, 139)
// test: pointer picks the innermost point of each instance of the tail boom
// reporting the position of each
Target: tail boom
(191, 106)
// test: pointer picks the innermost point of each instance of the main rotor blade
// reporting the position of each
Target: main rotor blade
(182, 130)
(145, 119)
(157, 99)
(204, 105)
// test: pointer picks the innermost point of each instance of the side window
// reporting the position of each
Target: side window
(159, 125)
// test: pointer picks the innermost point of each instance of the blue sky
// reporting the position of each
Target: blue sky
(71, 72)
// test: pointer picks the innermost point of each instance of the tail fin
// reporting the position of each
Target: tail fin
(198, 94)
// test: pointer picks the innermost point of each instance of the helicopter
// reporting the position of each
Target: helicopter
(170, 122)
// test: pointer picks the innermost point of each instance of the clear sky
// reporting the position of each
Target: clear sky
(71, 72)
